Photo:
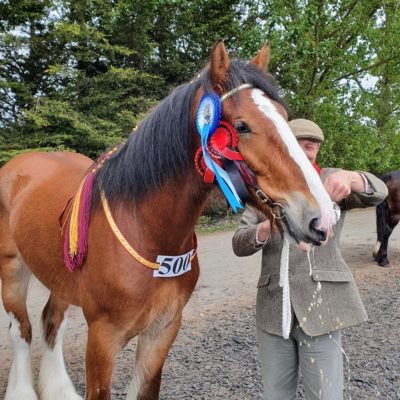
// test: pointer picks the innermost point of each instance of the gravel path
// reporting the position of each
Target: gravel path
(215, 354)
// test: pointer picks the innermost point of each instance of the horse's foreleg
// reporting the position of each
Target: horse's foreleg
(152, 350)
(380, 252)
(376, 250)
(381, 255)
(104, 341)
(15, 278)
(54, 382)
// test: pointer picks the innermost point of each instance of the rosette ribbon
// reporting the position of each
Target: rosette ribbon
(207, 120)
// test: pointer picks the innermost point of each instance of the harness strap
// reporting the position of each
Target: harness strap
(235, 90)
(126, 245)
(249, 178)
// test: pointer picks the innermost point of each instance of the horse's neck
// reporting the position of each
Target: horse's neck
(167, 219)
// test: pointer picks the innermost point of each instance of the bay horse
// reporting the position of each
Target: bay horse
(155, 195)
(387, 217)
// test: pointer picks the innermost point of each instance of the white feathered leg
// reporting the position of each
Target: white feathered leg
(54, 381)
(20, 381)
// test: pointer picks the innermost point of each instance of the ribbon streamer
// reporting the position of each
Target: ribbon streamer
(208, 116)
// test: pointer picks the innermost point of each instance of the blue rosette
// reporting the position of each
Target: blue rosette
(207, 120)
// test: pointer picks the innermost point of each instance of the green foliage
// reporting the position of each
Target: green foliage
(323, 54)
(79, 74)
(100, 118)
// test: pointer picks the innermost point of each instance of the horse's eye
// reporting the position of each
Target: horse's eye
(242, 128)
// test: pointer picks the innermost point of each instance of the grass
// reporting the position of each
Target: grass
(207, 224)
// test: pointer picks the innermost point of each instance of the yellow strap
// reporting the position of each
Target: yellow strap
(121, 238)
(125, 243)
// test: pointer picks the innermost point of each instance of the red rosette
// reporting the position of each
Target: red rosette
(224, 141)
(199, 162)
(201, 167)
(209, 176)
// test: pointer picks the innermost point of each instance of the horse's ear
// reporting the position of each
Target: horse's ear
(219, 66)
(262, 58)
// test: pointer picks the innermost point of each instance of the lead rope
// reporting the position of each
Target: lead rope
(284, 284)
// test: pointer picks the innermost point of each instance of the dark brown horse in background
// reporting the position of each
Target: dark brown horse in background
(156, 196)
(387, 217)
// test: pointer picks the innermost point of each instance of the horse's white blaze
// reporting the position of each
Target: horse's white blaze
(20, 381)
(314, 182)
(54, 382)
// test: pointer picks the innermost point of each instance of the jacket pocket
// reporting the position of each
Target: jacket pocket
(331, 276)
(263, 280)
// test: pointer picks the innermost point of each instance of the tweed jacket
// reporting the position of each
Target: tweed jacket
(324, 296)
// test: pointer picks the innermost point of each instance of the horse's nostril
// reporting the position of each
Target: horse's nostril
(314, 227)
(315, 222)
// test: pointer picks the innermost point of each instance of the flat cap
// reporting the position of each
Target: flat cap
(306, 129)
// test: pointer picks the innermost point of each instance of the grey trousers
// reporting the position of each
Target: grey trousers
(319, 359)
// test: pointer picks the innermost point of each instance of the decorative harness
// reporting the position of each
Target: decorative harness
(218, 159)
(126, 245)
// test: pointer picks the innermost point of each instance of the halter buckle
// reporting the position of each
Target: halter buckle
(265, 199)
(262, 196)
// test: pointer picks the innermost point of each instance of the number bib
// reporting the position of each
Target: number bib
(171, 266)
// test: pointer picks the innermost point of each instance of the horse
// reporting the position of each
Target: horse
(387, 217)
(141, 266)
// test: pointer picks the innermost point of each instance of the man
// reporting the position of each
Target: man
(324, 297)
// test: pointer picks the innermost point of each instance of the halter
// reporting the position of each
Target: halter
(220, 146)
(235, 90)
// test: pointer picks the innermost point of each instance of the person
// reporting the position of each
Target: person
(324, 297)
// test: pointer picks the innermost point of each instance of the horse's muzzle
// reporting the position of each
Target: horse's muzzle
(302, 221)
(319, 234)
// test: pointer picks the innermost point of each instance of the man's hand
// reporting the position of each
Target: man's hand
(340, 184)
(264, 230)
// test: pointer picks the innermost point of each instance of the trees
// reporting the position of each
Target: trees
(331, 63)
(24, 41)
(78, 74)
(62, 81)
(385, 96)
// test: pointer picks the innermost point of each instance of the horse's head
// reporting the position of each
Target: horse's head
(280, 179)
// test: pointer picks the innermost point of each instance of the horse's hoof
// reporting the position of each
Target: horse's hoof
(384, 263)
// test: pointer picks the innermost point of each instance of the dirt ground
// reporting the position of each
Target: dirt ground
(215, 354)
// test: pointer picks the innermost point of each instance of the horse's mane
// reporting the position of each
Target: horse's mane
(162, 147)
